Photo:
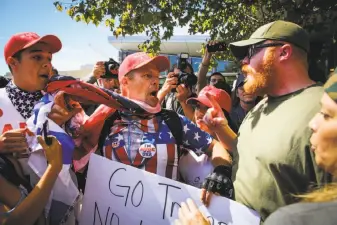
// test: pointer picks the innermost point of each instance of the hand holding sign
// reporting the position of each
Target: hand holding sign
(189, 214)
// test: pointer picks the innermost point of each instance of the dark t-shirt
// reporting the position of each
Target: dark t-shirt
(305, 214)
(237, 115)
(273, 161)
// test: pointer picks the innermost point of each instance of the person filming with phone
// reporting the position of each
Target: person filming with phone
(216, 79)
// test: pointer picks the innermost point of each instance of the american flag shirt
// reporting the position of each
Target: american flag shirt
(148, 144)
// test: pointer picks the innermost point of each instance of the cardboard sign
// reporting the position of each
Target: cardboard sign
(117, 194)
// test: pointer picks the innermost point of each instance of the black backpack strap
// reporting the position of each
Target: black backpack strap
(106, 130)
(173, 122)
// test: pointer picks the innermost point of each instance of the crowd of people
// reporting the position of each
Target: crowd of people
(267, 142)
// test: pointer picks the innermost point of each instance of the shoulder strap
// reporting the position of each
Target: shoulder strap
(173, 122)
(106, 130)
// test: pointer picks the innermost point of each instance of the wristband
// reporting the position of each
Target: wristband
(219, 181)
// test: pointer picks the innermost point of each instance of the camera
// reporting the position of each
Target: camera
(111, 69)
(187, 79)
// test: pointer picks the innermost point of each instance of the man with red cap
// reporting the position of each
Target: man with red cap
(28, 57)
(146, 141)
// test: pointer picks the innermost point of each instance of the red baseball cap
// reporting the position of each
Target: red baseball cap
(139, 59)
(25, 40)
(221, 96)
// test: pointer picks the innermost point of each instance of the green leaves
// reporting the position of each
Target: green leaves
(58, 6)
(226, 20)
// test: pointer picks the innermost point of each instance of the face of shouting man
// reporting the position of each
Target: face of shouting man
(258, 68)
(29, 59)
(32, 70)
(139, 77)
(143, 84)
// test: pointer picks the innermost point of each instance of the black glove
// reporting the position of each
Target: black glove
(220, 182)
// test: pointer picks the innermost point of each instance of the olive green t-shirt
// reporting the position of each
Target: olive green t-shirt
(273, 159)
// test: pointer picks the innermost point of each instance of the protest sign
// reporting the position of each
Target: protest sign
(118, 194)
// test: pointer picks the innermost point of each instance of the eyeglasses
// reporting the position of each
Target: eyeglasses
(254, 49)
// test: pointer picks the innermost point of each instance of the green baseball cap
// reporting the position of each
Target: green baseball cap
(278, 30)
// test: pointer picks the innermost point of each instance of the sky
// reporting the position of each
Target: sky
(82, 43)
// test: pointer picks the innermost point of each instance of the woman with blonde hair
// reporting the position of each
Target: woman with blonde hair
(319, 206)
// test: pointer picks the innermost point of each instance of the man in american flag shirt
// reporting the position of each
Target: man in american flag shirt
(145, 141)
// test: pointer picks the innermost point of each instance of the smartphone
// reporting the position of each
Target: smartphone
(45, 131)
(221, 46)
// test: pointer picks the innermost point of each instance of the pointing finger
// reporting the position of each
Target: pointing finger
(213, 102)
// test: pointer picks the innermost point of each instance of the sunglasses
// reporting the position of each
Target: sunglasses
(254, 49)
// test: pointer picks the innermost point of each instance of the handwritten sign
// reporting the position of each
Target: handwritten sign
(117, 194)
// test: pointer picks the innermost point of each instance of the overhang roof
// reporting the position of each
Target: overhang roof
(190, 44)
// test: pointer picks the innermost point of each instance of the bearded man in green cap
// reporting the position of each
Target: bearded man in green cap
(272, 161)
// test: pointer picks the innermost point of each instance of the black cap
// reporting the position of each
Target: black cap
(240, 80)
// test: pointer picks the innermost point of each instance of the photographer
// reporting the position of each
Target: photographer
(178, 88)
(105, 75)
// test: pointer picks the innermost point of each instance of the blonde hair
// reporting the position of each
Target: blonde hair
(325, 194)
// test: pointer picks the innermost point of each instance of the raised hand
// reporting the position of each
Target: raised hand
(170, 82)
(98, 70)
(214, 118)
(183, 93)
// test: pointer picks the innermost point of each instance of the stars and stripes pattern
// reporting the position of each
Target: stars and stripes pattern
(194, 138)
(23, 101)
(156, 132)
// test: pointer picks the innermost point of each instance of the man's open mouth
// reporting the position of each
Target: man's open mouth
(44, 76)
(154, 93)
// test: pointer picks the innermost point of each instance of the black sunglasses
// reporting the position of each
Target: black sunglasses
(254, 49)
